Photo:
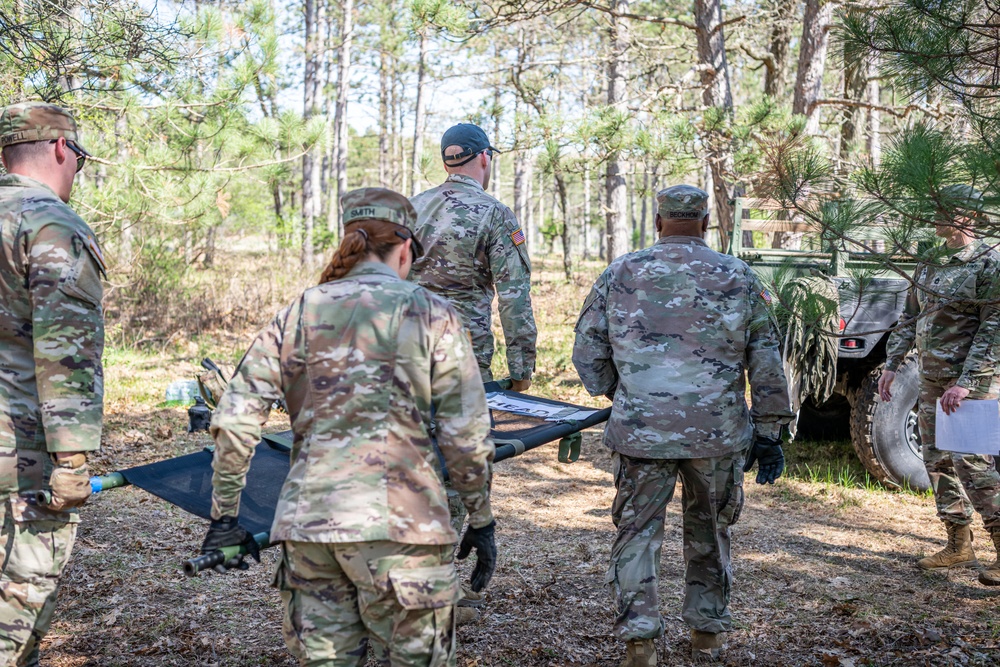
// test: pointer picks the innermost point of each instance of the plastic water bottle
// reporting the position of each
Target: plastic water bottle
(182, 390)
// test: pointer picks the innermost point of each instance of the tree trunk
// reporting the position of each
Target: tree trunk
(128, 230)
(781, 35)
(329, 57)
(531, 233)
(333, 220)
(617, 224)
(495, 164)
(874, 115)
(396, 119)
(716, 93)
(645, 201)
(812, 61)
(852, 122)
(586, 209)
(541, 205)
(418, 117)
(519, 193)
(384, 179)
(310, 164)
(567, 230)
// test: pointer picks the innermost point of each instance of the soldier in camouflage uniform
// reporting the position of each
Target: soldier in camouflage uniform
(474, 246)
(672, 334)
(362, 361)
(51, 381)
(952, 319)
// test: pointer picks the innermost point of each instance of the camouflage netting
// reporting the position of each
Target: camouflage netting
(810, 353)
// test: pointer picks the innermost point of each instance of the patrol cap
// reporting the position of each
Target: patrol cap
(682, 202)
(470, 137)
(962, 197)
(37, 121)
(382, 204)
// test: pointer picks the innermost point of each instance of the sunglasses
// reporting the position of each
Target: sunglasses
(81, 157)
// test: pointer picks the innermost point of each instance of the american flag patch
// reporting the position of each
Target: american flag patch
(517, 237)
(764, 294)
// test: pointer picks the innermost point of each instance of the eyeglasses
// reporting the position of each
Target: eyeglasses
(81, 157)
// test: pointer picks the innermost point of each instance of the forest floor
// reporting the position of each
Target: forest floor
(823, 560)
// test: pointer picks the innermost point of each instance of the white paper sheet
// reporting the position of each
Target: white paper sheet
(974, 428)
(525, 406)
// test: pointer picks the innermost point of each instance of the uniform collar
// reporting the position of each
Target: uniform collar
(372, 268)
(462, 178)
(964, 254)
(19, 181)
(685, 240)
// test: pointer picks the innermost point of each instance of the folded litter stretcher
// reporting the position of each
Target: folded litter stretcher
(519, 423)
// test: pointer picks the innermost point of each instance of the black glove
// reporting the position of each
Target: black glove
(486, 553)
(227, 532)
(771, 460)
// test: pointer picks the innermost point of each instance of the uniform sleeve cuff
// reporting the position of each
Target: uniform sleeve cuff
(481, 517)
(222, 507)
(769, 431)
(973, 383)
(67, 447)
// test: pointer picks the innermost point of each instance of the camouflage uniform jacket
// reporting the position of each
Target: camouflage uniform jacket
(473, 242)
(362, 363)
(955, 336)
(51, 334)
(675, 331)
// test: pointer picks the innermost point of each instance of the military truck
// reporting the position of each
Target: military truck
(884, 435)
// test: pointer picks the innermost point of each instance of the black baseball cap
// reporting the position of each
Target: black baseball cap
(470, 137)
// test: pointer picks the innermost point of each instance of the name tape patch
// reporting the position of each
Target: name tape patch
(690, 215)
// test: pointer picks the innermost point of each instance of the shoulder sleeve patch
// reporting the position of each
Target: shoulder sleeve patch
(95, 251)
(517, 236)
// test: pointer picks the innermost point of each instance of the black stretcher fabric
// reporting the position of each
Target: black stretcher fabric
(186, 481)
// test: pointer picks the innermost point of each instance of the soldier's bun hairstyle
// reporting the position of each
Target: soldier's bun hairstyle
(361, 238)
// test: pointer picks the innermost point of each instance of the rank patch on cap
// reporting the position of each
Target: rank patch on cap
(764, 294)
(517, 237)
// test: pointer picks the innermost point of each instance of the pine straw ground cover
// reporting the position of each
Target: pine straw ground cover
(823, 560)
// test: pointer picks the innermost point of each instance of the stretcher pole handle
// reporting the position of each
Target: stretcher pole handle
(193, 566)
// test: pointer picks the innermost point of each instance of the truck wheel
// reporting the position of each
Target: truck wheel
(828, 421)
(885, 434)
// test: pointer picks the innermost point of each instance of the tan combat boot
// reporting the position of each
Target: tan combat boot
(470, 598)
(640, 653)
(957, 553)
(991, 575)
(706, 646)
(466, 615)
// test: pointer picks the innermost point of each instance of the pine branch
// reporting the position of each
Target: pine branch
(898, 112)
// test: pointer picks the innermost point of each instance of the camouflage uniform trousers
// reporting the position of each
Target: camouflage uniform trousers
(337, 597)
(35, 554)
(712, 500)
(960, 482)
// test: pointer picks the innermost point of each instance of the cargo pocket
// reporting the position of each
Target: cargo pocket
(732, 506)
(37, 551)
(291, 625)
(434, 592)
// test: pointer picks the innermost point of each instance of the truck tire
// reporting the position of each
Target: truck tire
(885, 434)
(828, 421)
